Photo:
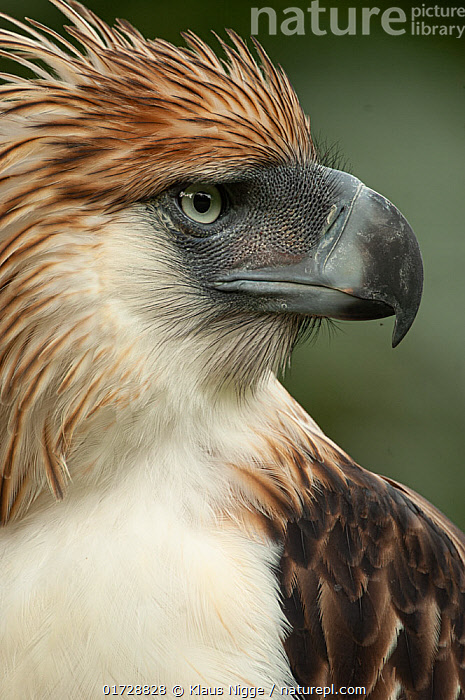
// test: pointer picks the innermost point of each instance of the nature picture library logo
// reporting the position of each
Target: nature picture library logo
(422, 20)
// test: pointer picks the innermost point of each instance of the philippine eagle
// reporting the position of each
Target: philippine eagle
(171, 516)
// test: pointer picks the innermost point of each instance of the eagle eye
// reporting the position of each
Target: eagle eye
(201, 203)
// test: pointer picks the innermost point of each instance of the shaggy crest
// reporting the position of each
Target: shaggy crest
(125, 119)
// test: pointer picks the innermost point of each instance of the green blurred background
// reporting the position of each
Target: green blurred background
(395, 108)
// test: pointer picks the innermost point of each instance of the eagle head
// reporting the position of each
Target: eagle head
(164, 214)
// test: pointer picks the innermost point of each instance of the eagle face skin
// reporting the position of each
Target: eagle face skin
(311, 226)
(171, 516)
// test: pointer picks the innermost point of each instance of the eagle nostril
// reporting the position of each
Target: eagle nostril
(332, 215)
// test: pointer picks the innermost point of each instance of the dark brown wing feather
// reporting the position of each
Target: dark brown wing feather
(373, 579)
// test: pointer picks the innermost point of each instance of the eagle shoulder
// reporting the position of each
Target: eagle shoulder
(373, 582)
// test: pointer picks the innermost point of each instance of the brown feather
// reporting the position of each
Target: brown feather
(372, 576)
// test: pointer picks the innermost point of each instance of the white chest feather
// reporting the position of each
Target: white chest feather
(127, 585)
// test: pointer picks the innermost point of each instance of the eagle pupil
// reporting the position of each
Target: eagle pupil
(202, 202)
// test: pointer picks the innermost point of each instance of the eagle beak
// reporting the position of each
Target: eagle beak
(366, 265)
